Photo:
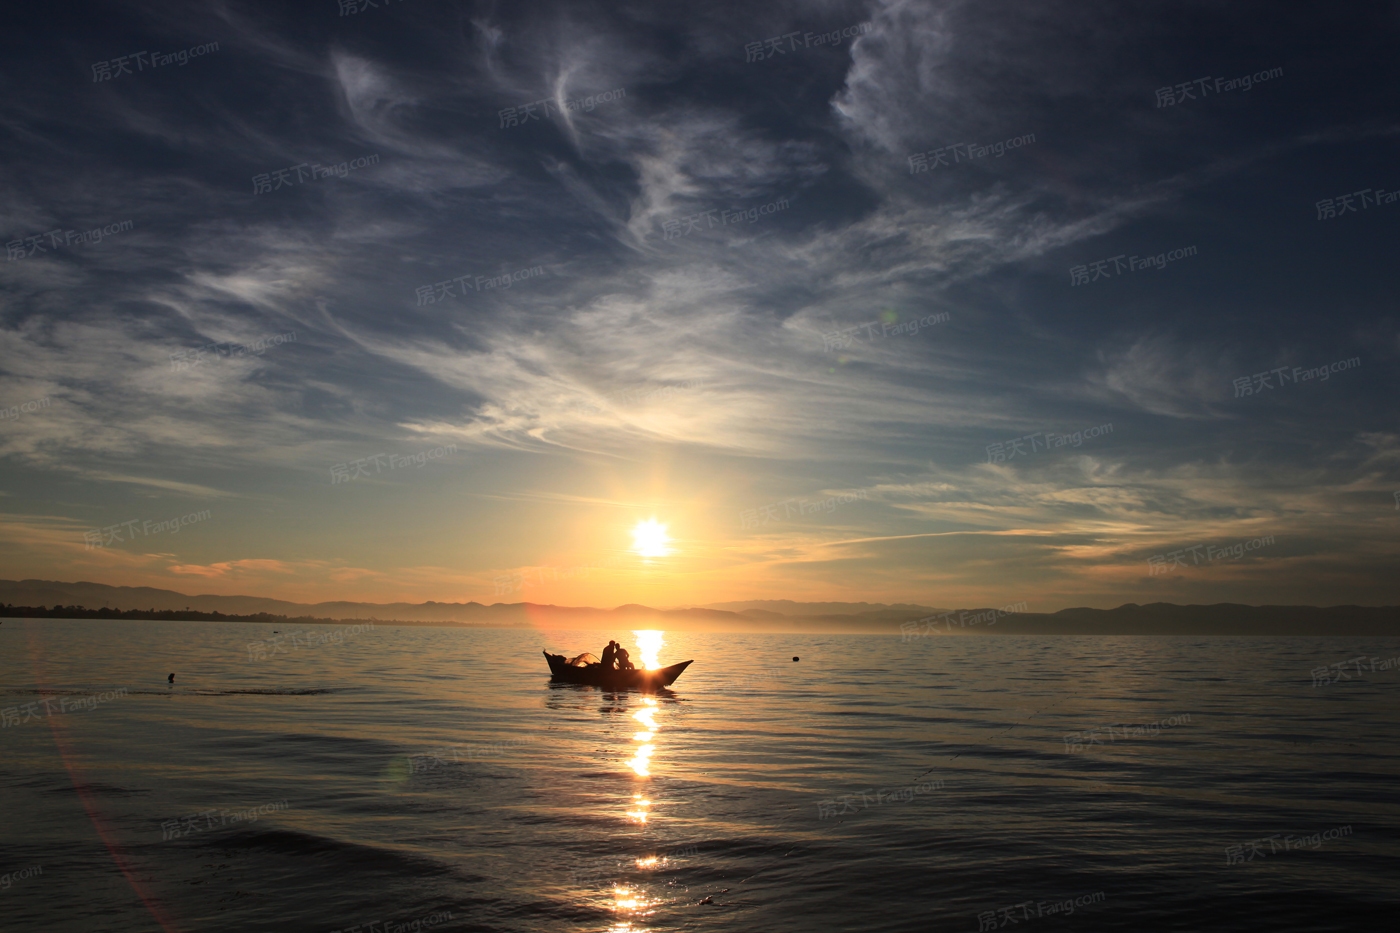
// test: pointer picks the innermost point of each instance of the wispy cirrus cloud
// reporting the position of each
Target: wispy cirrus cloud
(533, 382)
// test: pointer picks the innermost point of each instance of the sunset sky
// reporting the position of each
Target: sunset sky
(685, 371)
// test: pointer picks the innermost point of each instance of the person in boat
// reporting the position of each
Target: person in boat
(624, 663)
(609, 653)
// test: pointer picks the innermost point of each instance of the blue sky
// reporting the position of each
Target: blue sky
(695, 378)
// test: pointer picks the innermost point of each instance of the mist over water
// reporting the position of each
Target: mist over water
(409, 773)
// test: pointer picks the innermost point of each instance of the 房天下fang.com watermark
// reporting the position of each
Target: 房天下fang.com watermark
(672, 228)
(998, 453)
(16, 248)
(518, 116)
(392, 926)
(1250, 385)
(1322, 676)
(109, 535)
(910, 630)
(10, 716)
(271, 647)
(1078, 741)
(991, 920)
(1158, 563)
(603, 873)
(185, 359)
(350, 7)
(749, 518)
(340, 473)
(1079, 275)
(919, 161)
(754, 51)
(25, 408)
(1328, 208)
(173, 829)
(1235, 855)
(10, 877)
(262, 184)
(827, 808)
(103, 71)
(1170, 96)
(433, 760)
(843, 339)
(429, 294)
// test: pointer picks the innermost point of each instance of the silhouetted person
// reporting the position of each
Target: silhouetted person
(172, 679)
(624, 663)
(609, 654)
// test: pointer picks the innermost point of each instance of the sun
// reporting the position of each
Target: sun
(649, 539)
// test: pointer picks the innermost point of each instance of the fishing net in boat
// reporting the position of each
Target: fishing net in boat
(583, 660)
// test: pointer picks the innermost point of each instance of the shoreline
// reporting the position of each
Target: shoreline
(1033, 625)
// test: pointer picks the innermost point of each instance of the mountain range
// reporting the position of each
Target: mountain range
(909, 621)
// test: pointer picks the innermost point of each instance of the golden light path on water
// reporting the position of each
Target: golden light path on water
(646, 716)
(629, 901)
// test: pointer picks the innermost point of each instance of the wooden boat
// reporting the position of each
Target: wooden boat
(579, 671)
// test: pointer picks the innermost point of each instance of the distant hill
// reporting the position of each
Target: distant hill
(787, 607)
(903, 620)
(1219, 619)
(100, 595)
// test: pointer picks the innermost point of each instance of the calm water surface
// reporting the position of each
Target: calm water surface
(405, 773)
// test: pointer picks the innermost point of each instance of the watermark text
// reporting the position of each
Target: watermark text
(1235, 855)
(1170, 95)
(964, 152)
(108, 536)
(440, 291)
(1256, 384)
(263, 184)
(68, 704)
(1158, 563)
(121, 65)
(25, 247)
(1079, 741)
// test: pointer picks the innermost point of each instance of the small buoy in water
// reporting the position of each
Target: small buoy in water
(707, 900)
(794, 657)
(171, 679)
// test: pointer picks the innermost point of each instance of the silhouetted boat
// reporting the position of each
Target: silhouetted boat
(581, 670)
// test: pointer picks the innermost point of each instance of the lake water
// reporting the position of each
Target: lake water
(412, 778)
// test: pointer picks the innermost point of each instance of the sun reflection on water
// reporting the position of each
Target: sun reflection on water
(638, 813)
(633, 901)
(641, 761)
(631, 904)
(649, 644)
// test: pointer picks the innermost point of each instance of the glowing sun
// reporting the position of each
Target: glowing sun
(649, 539)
